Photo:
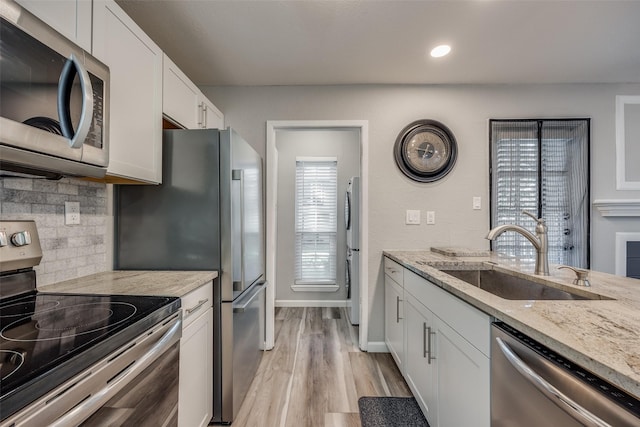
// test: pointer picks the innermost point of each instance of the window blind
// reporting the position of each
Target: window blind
(542, 166)
(316, 220)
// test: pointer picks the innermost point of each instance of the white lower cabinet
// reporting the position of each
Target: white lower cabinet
(463, 388)
(195, 405)
(394, 323)
(420, 367)
(446, 353)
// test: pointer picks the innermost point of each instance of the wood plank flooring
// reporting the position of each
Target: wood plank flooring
(316, 373)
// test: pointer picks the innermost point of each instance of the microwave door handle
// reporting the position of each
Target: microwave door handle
(561, 400)
(238, 175)
(72, 67)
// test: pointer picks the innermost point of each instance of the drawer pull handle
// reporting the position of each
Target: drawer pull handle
(190, 311)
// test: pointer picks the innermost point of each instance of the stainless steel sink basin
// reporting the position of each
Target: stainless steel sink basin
(512, 287)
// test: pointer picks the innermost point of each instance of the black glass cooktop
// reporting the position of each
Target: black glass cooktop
(47, 338)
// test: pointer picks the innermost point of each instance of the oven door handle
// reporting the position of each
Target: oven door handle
(561, 400)
(87, 407)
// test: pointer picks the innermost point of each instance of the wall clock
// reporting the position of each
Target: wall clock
(425, 150)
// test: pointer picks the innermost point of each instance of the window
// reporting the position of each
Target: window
(542, 166)
(316, 218)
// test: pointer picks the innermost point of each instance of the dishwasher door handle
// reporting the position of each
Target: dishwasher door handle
(561, 400)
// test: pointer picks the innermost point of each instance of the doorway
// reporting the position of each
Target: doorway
(281, 135)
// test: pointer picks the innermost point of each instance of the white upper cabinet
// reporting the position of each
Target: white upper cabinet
(135, 123)
(180, 97)
(71, 18)
(212, 118)
(184, 104)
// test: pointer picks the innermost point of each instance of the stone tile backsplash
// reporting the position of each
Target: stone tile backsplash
(69, 251)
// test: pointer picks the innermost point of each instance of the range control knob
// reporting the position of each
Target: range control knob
(3, 239)
(21, 238)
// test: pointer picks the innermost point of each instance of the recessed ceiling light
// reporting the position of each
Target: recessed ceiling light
(441, 50)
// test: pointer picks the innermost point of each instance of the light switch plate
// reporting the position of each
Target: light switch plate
(431, 217)
(413, 217)
(477, 203)
(71, 213)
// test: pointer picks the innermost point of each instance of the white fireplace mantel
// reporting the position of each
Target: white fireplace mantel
(619, 207)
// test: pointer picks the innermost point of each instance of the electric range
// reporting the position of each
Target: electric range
(48, 338)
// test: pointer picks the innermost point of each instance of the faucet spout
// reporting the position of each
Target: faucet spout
(497, 231)
(539, 241)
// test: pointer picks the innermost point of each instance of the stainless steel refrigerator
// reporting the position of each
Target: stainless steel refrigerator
(206, 215)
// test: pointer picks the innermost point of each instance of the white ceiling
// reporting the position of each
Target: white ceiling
(309, 42)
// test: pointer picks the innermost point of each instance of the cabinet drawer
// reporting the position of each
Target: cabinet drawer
(196, 302)
(394, 270)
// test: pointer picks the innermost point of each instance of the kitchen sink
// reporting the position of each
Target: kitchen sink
(508, 286)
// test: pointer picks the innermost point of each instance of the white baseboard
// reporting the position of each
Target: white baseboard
(311, 303)
(377, 347)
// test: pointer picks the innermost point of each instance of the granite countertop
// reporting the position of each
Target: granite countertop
(131, 282)
(603, 335)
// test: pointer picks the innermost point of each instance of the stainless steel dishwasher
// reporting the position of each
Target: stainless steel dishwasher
(533, 386)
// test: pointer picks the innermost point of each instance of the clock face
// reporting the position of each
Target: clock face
(425, 150)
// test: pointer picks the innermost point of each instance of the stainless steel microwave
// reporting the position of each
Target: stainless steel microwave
(54, 101)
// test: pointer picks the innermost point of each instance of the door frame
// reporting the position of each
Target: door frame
(271, 183)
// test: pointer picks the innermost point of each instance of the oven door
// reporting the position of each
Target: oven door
(54, 99)
(135, 385)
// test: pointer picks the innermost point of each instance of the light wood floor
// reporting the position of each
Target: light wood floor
(315, 374)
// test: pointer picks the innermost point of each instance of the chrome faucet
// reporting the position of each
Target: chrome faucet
(539, 241)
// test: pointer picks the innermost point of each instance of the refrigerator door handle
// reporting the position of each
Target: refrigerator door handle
(238, 175)
(241, 306)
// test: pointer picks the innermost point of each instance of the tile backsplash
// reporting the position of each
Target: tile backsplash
(69, 251)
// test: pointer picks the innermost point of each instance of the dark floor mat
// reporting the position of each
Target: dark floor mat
(390, 412)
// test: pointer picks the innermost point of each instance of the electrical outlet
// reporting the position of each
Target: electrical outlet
(413, 217)
(431, 217)
(477, 203)
(71, 213)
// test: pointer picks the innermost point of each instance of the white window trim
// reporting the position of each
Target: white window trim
(330, 287)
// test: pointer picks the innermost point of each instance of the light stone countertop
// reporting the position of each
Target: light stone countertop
(132, 282)
(603, 336)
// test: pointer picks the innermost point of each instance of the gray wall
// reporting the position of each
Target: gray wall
(465, 109)
(68, 251)
(341, 143)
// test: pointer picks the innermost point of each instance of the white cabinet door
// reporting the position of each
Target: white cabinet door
(135, 122)
(184, 104)
(420, 358)
(452, 390)
(211, 117)
(180, 97)
(463, 381)
(195, 406)
(394, 321)
(71, 18)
